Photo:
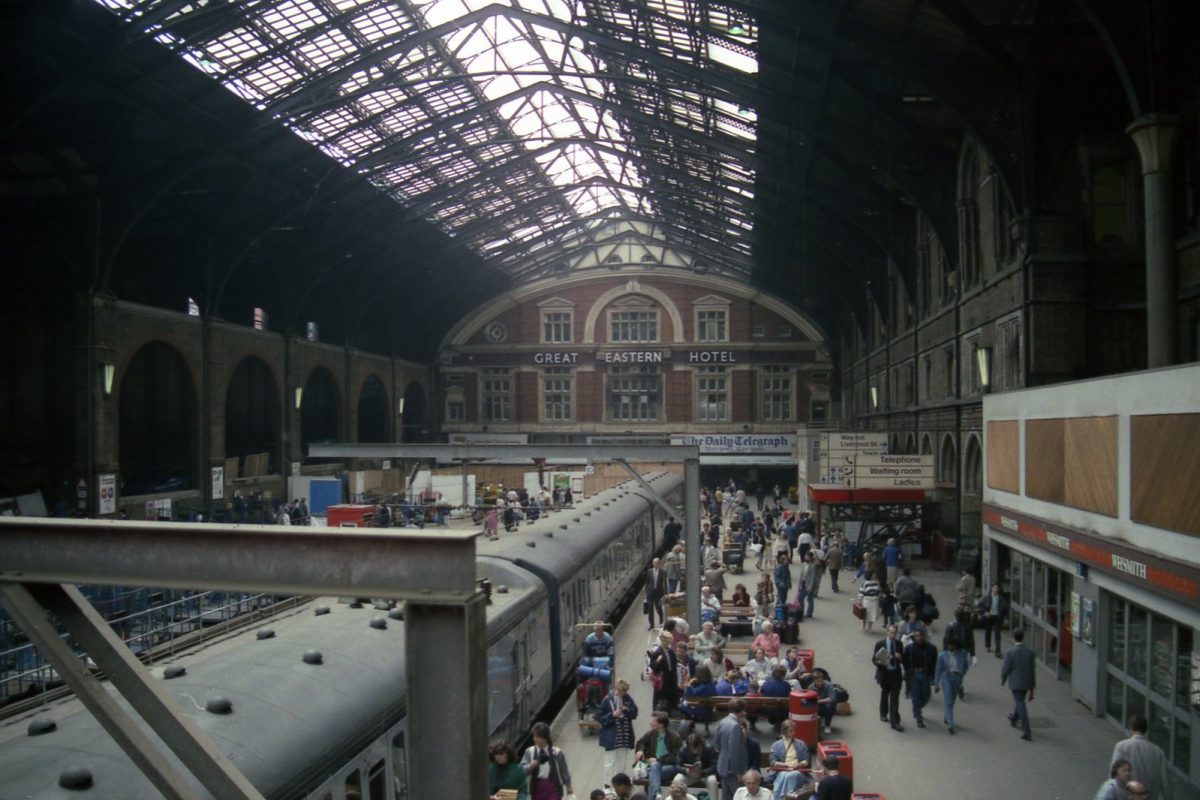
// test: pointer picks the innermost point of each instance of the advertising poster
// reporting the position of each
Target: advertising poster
(1087, 625)
(1075, 614)
(107, 494)
(218, 483)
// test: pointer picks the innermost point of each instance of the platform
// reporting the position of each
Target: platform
(986, 760)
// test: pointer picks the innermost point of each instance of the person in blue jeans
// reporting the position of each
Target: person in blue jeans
(920, 663)
(952, 666)
(659, 748)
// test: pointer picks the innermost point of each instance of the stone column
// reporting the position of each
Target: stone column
(1154, 136)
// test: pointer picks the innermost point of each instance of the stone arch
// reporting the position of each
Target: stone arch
(910, 443)
(373, 411)
(320, 413)
(926, 444)
(948, 461)
(415, 425)
(252, 412)
(157, 422)
(632, 287)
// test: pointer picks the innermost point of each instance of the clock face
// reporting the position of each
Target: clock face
(495, 331)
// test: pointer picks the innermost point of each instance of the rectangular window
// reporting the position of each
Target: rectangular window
(312, 332)
(456, 411)
(260, 319)
(497, 395)
(758, 331)
(785, 331)
(971, 384)
(556, 326)
(712, 385)
(710, 326)
(776, 394)
(1007, 367)
(634, 393)
(948, 366)
(556, 394)
(634, 326)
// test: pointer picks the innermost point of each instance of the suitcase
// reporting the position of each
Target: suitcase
(859, 610)
(791, 632)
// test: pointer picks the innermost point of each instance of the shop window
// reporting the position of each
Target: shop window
(712, 387)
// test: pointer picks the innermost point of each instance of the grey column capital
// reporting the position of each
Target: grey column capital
(1154, 135)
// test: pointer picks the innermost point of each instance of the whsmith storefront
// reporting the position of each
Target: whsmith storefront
(1091, 525)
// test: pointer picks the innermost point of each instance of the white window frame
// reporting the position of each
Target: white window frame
(489, 394)
(653, 317)
(565, 377)
(768, 395)
(712, 383)
(456, 404)
(711, 304)
(622, 373)
(970, 372)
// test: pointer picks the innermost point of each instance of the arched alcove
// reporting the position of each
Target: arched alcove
(373, 413)
(973, 466)
(320, 417)
(252, 413)
(416, 428)
(948, 461)
(157, 422)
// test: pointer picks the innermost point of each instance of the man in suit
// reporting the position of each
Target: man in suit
(656, 587)
(1147, 761)
(730, 741)
(888, 658)
(920, 663)
(1019, 672)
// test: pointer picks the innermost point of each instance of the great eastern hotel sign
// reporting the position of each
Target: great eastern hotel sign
(1170, 578)
(636, 357)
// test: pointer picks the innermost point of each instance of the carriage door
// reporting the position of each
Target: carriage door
(524, 685)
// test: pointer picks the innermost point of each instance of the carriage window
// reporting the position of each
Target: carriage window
(353, 787)
(400, 767)
(377, 781)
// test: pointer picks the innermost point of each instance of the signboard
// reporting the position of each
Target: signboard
(107, 494)
(218, 483)
(893, 472)
(489, 438)
(868, 441)
(835, 452)
(778, 443)
(1075, 614)
(572, 357)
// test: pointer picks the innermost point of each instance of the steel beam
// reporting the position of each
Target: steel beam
(658, 498)
(186, 740)
(445, 648)
(122, 727)
(691, 522)
(521, 452)
(275, 559)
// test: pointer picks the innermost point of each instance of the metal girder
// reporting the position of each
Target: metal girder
(124, 730)
(665, 453)
(92, 633)
(658, 498)
(266, 558)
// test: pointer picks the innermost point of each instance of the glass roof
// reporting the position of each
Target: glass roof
(516, 125)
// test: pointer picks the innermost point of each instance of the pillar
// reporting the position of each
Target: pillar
(1154, 135)
(691, 521)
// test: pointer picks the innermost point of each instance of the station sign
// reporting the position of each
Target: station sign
(893, 472)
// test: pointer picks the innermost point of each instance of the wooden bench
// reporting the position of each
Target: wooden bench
(755, 706)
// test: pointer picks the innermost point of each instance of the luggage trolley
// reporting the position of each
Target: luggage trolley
(595, 670)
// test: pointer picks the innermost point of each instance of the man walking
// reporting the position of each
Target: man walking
(952, 666)
(920, 661)
(1147, 761)
(888, 659)
(730, 741)
(891, 561)
(656, 587)
(671, 533)
(994, 607)
(1018, 671)
(833, 562)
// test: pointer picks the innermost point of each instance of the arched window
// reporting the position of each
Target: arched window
(973, 467)
(948, 462)
(926, 445)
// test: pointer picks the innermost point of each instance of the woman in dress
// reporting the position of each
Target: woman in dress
(545, 767)
(504, 772)
(868, 594)
(616, 715)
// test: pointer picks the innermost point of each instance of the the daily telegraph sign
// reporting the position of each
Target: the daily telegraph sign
(758, 444)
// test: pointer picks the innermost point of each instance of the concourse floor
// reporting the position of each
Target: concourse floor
(985, 760)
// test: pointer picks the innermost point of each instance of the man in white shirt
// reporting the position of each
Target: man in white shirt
(752, 788)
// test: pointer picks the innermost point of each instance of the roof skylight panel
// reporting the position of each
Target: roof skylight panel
(271, 77)
(232, 48)
(291, 18)
(327, 48)
(381, 22)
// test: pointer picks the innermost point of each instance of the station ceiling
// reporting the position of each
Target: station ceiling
(383, 166)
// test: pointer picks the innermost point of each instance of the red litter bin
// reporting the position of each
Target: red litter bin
(802, 711)
(807, 658)
(841, 751)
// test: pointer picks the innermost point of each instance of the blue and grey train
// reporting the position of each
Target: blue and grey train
(337, 729)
